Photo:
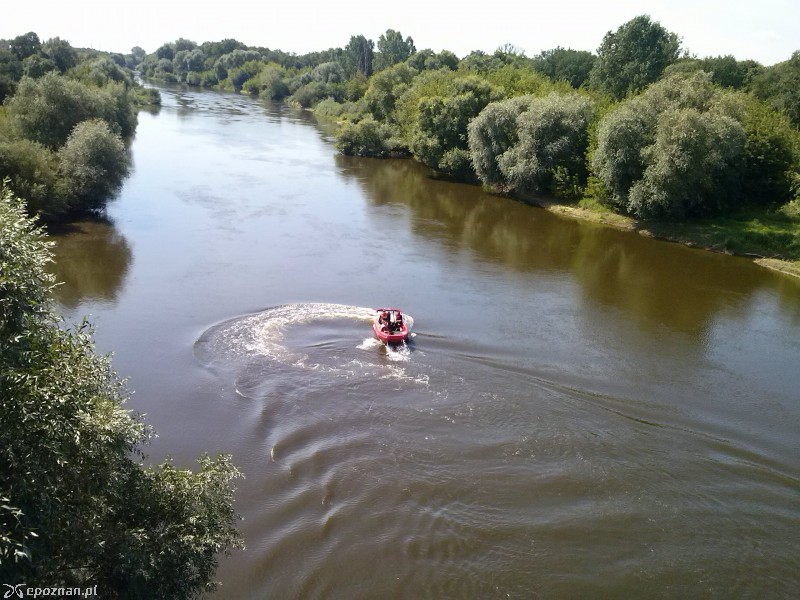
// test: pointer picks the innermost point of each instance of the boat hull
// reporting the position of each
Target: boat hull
(390, 337)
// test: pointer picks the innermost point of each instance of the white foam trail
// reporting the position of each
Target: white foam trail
(369, 343)
(398, 353)
(262, 335)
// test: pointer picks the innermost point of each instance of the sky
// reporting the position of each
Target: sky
(765, 30)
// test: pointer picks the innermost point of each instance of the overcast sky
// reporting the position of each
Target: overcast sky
(765, 30)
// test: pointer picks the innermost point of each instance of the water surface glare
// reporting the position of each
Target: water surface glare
(581, 412)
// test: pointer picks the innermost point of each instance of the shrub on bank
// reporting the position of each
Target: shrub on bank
(687, 148)
(93, 164)
(368, 138)
(78, 507)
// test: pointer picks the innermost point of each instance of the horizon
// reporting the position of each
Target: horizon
(765, 33)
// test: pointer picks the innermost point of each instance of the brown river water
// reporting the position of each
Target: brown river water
(581, 413)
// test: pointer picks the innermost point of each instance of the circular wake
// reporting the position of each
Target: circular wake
(334, 339)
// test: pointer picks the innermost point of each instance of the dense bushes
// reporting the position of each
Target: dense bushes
(528, 143)
(779, 86)
(687, 148)
(93, 162)
(31, 172)
(62, 150)
(46, 110)
(692, 169)
(369, 138)
(552, 139)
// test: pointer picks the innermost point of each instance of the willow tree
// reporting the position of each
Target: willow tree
(530, 144)
(438, 125)
(688, 148)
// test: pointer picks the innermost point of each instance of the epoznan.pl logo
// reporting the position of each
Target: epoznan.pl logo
(22, 590)
(14, 591)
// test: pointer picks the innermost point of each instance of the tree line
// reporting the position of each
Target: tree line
(66, 117)
(640, 126)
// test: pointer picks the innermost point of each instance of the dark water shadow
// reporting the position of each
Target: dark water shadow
(92, 260)
(660, 284)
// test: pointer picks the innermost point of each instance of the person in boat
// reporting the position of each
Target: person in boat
(383, 320)
(396, 323)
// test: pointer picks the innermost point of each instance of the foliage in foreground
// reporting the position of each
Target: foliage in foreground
(77, 506)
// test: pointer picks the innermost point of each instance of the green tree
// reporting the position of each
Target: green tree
(385, 88)
(633, 56)
(510, 54)
(329, 72)
(93, 163)
(36, 66)
(725, 71)
(438, 135)
(183, 44)
(269, 83)
(309, 94)
(686, 148)
(772, 153)
(480, 62)
(368, 138)
(179, 66)
(622, 137)
(565, 64)
(491, 134)
(692, 168)
(216, 49)
(356, 87)
(359, 54)
(138, 54)
(77, 506)
(779, 86)
(31, 172)
(530, 144)
(393, 49)
(25, 45)
(239, 76)
(517, 81)
(195, 60)
(101, 71)
(10, 73)
(45, 110)
(231, 60)
(428, 60)
(60, 52)
(165, 51)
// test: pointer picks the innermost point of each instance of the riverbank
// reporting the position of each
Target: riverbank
(770, 237)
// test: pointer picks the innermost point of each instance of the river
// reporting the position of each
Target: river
(582, 412)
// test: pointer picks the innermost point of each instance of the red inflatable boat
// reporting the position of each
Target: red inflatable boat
(390, 325)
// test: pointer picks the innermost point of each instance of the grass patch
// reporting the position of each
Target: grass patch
(594, 205)
(772, 236)
(757, 232)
